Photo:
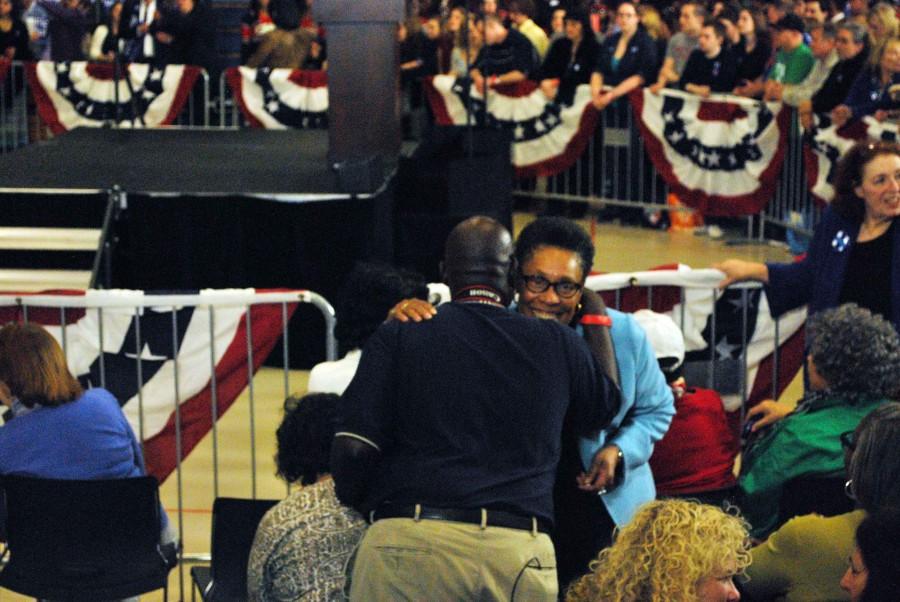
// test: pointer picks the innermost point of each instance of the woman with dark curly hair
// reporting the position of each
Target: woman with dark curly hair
(853, 367)
(303, 544)
(854, 256)
(671, 551)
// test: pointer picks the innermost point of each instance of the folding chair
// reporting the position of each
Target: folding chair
(234, 523)
(84, 540)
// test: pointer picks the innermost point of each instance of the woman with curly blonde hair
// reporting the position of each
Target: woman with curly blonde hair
(671, 551)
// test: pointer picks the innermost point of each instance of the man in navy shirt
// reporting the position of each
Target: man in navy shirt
(710, 68)
(451, 437)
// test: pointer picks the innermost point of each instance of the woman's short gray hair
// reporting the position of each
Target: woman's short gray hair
(855, 351)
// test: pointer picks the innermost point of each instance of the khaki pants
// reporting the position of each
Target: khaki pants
(404, 559)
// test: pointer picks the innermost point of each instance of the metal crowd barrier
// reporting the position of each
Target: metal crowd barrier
(614, 170)
(210, 302)
(697, 295)
(230, 116)
(20, 124)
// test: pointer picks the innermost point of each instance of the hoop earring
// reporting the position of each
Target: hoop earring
(848, 490)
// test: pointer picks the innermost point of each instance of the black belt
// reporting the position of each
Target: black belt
(472, 516)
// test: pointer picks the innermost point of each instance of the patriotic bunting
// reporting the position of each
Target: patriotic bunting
(720, 156)
(152, 413)
(824, 144)
(277, 99)
(548, 138)
(80, 94)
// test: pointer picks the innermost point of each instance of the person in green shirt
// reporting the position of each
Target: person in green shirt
(854, 367)
(794, 59)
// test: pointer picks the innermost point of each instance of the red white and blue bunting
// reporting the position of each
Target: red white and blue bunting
(721, 156)
(81, 94)
(278, 99)
(548, 138)
(824, 144)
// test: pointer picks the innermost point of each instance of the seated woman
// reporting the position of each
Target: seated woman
(59, 430)
(671, 550)
(854, 366)
(368, 292)
(303, 544)
(871, 91)
(805, 558)
(627, 59)
(873, 569)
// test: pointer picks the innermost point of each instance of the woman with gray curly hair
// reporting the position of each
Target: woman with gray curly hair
(854, 367)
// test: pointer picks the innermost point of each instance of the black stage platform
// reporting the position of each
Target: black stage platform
(283, 165)
(207, 209)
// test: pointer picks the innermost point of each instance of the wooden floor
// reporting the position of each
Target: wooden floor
(619, 249)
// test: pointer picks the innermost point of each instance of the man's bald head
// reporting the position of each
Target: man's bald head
(479, 251)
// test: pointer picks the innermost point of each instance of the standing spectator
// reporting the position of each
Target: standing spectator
(570, 61)
(682, 44)
(873, 569)
(671, 550)
(857, 11)
(454, 457)
(850, 44)
(507, 57)
(657, 29)
(138, 17)
(256, 22)
(283, 49)
(190, 32)
(521, 13)
(13, 34)
(69, 21)
(753, 53)
(710, 67)
(794, 59)
(823, 46)
(106, 41)
(855, 252)
(870, 92)
(463, 55)
(776, 10)
(557, 24)
(302, 545)
(817, 10)
(627, 59)
(883, 25)
(36, 21)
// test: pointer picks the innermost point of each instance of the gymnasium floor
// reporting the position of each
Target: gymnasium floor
(619, 249)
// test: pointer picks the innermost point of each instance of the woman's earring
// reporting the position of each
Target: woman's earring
(848, 489)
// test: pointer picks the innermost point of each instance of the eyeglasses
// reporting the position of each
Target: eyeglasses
(848, 441)
(566, 289)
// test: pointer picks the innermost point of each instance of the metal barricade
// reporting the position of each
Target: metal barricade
(691, 298)
(614, 170)
(230, 116)
(14, 109)
(103, 312)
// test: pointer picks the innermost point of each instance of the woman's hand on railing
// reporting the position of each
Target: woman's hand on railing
(738, 270)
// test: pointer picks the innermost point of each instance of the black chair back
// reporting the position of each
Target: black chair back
(83, 540)
(234, 524)
(814, 494)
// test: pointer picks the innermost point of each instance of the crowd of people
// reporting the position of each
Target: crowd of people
(521, 440)
(817, 56)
